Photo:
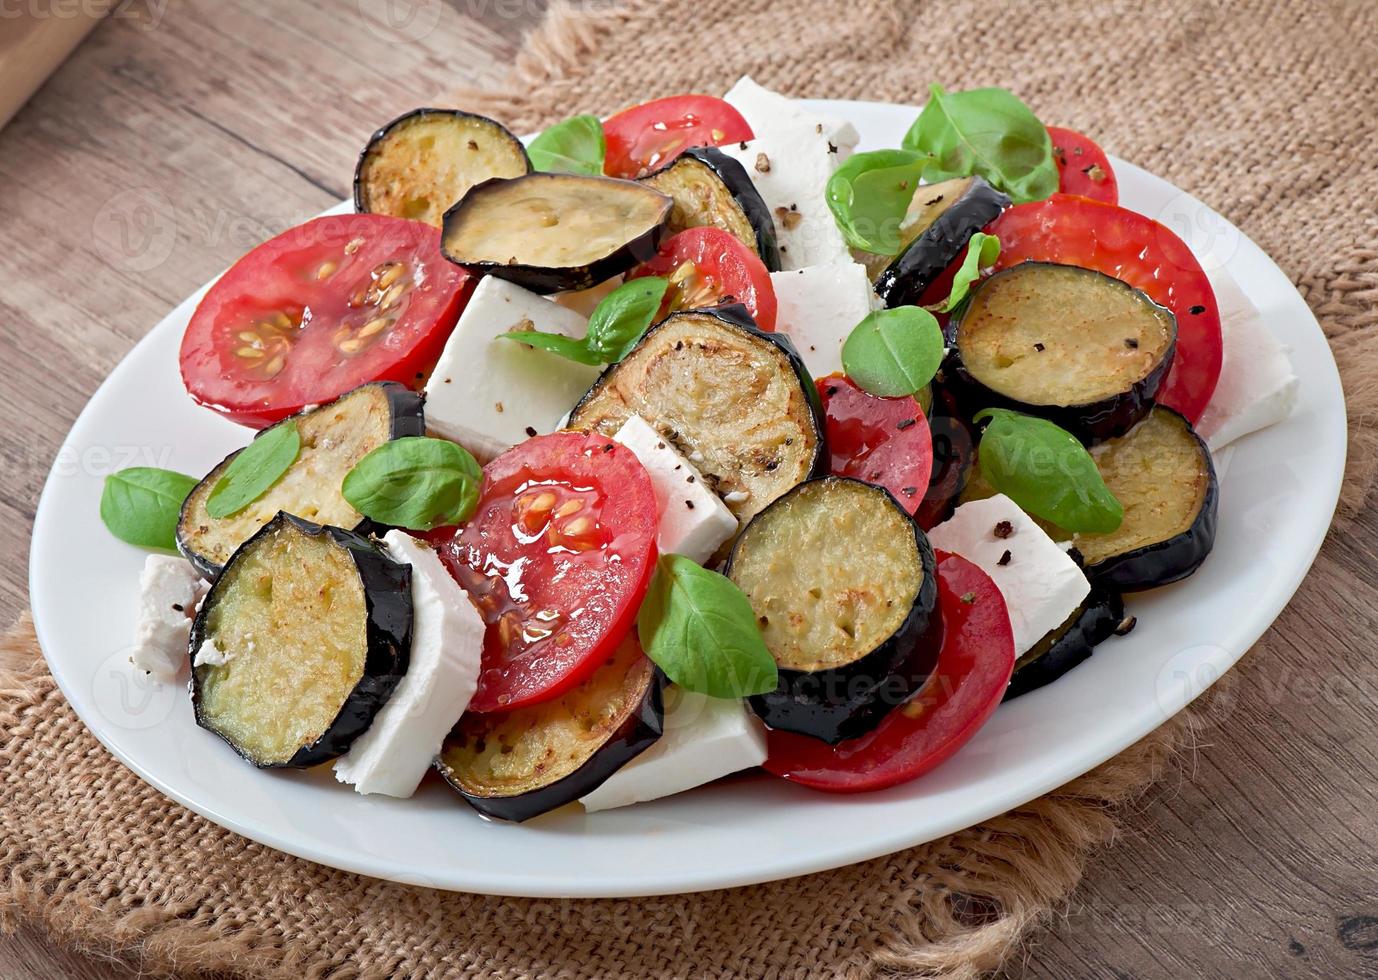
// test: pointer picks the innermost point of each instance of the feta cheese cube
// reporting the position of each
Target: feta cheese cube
(767, 112)
(693, 520)
(705, 739)
(169, 590)
(1257, 385)
(489, 394)
(447, 644)
(790, 168)
(819, 306)
(1041, 583)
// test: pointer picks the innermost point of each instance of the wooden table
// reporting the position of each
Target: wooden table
(181, 134)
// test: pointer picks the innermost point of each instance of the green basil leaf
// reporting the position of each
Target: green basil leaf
(615, 327)
(986, 131)
(1047, 471)
(894, 352)
(869, 196)
(417, 482)
(570, 348)
(575, 146)
(141, 505)
(982, 252)
(254, 469)
(700, 629)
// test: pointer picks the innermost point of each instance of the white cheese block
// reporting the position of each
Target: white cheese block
(819, 306)
(489, 394)
(447, 644)
(693, 521)
(705, 739)
(169, 590)
(790, 167)
(1257, 385)
(1041, 584)
(769, 112)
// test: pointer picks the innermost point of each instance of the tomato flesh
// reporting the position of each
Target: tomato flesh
(557, 558)
(646, 137)
(1082, 166)
(1145, 254)
(974, 668)
(710, 267)
(880, 440)
(319, 310)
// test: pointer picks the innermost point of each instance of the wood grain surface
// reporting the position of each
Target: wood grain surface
(183, 132)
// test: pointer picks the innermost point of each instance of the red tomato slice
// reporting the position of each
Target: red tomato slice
(973, 671)
(319, 310)
(710, 267)
(880, 440)
(1082, 166)
(1145, 254)
(557, 557)
(648, 136)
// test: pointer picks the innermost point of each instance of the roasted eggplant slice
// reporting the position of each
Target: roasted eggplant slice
(737, 402)
(941, 220)
(842, 583)
(710, 188)
(954, 450)
(518, 764)
(333, 438)
(299, 643)
(1093, 622)
(420, 164)
(554, 232)
(1072, 345)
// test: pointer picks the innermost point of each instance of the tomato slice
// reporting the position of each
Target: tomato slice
(880, 440)
(648, 136)
(1082, 166)
(1145, 254)
(557, 557)
(710, 267)
(974, 668)
(319, 310)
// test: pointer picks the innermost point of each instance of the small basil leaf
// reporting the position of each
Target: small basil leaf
(570, 348)
(894, 352)
(575, 146)
(986, 131)
(869, 196)
(982, 252)
(254, 469)
(417, 482)
(700, 629)
(615, 327)
(141, 505)
(1046, 471)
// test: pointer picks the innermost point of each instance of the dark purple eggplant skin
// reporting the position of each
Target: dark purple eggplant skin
(360, 172)
(904, 280)
(388, 636)
(739, 184)
(954, 452)
(1100, 616)
(635, 735)
(1092, 422)
(547, 280)
(846, 702)
(1165, 562)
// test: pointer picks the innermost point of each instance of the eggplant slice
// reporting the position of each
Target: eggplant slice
(1072, 345)
(954, 450)
(333, 438)
(420, 164)
(299, 643)
(843, 585)
(941, 220)
(518, 764)
(710, 188)
(737, 402)
(555, 232)
(1097, 619)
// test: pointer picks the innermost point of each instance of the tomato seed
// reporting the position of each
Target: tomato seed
(252, 353)
(376, 325)
(326, 271)
(388, 273)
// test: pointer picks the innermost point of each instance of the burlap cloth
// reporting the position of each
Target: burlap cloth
(1264, 109)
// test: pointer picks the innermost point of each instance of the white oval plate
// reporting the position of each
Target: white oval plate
(1277, 498)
